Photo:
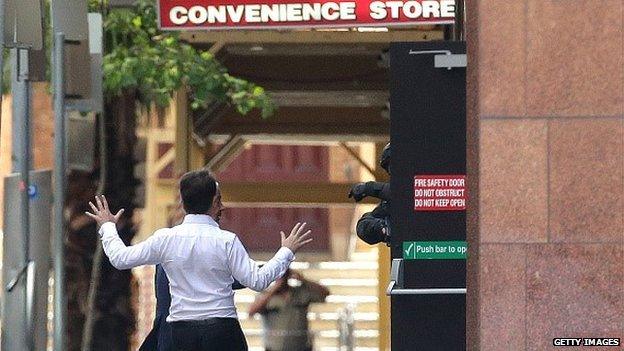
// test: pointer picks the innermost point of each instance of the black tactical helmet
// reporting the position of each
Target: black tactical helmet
(384, 161)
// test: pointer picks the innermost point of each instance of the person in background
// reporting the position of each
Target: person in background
(284, 310)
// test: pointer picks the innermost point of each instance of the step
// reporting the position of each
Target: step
(322, 321)
(353, 290)
(316, 274)
(357, 282)
(326, 348)
(341, 265)
(325, 325)
(345, 290)
(320, 309)
(333, 303)
(335, 299)
(331, 269)
(365, 316)
(369, 256)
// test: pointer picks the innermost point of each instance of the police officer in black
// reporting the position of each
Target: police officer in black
(373, 227)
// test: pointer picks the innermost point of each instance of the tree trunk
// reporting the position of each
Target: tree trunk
(115, 318)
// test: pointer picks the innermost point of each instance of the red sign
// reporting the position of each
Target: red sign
(439, 193)
(272, 14)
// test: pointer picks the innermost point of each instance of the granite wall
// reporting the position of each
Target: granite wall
(546, 94)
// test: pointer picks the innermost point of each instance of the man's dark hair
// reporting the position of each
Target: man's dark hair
(197, 189)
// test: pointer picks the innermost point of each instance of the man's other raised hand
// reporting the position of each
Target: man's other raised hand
(101, 214)
(296, 239)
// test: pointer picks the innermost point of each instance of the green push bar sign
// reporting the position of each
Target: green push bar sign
(434, 250)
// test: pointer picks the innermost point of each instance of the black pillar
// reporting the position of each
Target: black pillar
(428, 217)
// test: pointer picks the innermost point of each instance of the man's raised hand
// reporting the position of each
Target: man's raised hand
(296, 240)
(101, 214)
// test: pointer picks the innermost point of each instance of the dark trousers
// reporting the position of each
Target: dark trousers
(212, 334)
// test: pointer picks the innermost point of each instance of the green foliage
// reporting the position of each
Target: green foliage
(156, 64)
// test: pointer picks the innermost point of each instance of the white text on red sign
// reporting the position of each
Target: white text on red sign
(193, 14)
(439, 193)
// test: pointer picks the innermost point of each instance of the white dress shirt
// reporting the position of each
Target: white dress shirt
(201, 261)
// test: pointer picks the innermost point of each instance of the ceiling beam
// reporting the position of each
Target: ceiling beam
(357, 157)
(329, 98)
(216, 47)
(306, 120)
(309, 194)
(300, 139)
(314, 140)
(376, 131)
(308, 36)
(261, 49)
(226, 154)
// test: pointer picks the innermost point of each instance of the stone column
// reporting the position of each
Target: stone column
(548, 80)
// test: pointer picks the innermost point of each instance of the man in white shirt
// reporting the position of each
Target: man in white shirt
(201, 261)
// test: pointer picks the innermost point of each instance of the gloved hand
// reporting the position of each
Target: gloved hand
(376, 189)
(359, 191)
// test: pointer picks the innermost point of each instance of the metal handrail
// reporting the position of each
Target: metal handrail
(428, 291)
(395, 287)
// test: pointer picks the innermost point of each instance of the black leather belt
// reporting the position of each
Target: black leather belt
(204, 322)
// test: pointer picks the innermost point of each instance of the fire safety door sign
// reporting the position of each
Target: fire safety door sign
(439, 193)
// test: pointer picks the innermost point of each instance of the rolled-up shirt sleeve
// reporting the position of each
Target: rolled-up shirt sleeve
(126, 257)
(247, 272)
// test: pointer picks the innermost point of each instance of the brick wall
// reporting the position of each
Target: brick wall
(42, 133)
(146, 303)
